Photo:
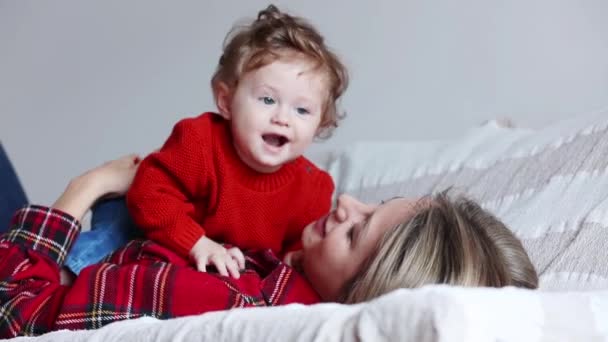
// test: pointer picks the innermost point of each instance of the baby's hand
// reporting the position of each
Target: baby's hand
(227, 261)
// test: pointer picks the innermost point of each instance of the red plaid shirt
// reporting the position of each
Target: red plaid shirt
(141, 279)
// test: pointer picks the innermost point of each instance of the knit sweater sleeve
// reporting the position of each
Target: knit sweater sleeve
(319, 204)
(321, 201)
(161, 197)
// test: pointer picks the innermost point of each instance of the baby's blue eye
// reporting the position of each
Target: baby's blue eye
(267, 100)
(302, 111)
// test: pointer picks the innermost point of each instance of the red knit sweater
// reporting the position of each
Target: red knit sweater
(196, 184)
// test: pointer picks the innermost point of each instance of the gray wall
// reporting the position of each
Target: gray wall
(83, 81)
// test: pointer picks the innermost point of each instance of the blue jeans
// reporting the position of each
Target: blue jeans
(12, 196)
(111, 228)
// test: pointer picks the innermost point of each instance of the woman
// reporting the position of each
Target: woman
(353, 254)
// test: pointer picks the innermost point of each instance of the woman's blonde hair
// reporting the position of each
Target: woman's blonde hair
(448, 242)
(273, 35)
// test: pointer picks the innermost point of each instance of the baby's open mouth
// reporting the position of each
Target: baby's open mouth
(276, 140)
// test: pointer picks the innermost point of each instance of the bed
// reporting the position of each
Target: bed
(549, 185)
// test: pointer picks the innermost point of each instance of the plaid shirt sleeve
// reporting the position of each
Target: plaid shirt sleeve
(142, 279)
(30, 255)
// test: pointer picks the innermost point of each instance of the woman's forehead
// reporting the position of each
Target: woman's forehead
(396, 205)
(395, 211)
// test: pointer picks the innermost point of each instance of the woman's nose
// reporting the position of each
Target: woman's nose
(344, 201)
(349, 206)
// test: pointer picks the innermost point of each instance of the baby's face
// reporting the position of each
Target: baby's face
(275, 112)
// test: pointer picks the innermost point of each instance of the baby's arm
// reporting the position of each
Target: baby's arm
(167, 183)
(161, 199)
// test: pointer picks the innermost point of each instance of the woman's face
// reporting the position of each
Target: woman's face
(336, 246)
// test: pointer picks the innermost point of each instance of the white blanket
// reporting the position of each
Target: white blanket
(433, 313)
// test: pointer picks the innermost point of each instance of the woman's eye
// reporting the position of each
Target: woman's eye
(351, 233)
(267, 100)
(302, 111)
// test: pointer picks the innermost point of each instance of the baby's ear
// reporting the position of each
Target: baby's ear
(318, 131)
(223, 98)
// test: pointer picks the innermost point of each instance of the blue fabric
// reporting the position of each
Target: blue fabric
(12, 196)
(111, 228)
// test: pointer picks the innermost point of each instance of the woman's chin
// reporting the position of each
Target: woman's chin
(308, 236)
(294, 260)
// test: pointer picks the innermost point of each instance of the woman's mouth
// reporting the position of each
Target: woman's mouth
(320, 225)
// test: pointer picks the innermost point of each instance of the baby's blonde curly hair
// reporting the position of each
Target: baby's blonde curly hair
(273, 35)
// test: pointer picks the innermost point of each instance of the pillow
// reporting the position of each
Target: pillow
(550, 186)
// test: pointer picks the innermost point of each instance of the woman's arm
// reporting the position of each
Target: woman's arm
(34, 249)
(110, 179)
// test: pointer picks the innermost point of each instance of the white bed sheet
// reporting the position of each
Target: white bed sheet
(432, 313)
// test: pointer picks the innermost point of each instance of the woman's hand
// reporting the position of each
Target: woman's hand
(112, 178)
(115, 177)
(227, 261)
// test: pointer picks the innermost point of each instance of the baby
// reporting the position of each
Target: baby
(238, 177)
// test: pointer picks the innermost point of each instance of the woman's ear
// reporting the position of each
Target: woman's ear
(223, 98)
